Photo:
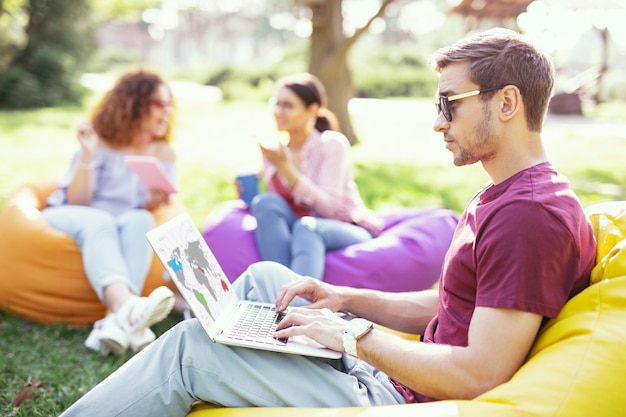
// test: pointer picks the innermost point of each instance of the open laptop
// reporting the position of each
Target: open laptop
(202, 282)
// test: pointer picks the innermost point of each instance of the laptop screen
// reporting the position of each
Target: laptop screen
(191, 264)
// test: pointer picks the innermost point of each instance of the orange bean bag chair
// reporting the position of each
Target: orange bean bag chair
(42, 275)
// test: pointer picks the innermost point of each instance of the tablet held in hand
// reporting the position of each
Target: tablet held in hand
(150, 172)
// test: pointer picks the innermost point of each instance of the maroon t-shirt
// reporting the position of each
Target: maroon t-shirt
(524, 244)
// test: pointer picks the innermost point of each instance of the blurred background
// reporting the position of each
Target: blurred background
(51, 49)
(222, 58)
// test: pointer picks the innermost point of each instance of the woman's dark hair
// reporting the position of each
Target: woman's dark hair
(311, 91)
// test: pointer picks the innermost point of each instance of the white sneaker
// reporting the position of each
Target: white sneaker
(110, 338)
(93, 340)
(139, 313)
(110, 335)
(141, 339)
(106, 337)
(129, 326)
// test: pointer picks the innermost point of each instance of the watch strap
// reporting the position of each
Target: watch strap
(353, 332)
(349, 344)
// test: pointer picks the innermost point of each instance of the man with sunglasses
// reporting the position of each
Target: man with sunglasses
(523, 247)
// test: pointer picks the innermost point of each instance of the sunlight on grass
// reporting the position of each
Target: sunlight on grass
(400, 161)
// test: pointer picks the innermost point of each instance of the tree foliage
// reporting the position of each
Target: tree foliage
(47, 56)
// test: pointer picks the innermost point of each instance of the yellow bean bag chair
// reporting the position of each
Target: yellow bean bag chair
(42, 275)
(577, 366)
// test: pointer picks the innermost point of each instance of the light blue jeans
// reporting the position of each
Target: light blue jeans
(114, 249)
(299, 243)
(184, 366)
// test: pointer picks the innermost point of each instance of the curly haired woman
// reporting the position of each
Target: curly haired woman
(106, 209)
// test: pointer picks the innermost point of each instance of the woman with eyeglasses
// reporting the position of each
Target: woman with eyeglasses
(313, 204)
(105, 207)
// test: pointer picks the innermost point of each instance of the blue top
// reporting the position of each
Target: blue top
(116, 188)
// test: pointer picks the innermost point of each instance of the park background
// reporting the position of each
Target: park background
(222, 57)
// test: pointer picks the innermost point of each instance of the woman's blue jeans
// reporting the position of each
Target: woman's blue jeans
(299, 243)
(114, 249)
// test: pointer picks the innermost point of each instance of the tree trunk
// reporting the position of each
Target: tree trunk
(604, 66)
(329, 57)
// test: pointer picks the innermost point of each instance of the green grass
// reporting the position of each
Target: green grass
(53, 354)
(399, 162)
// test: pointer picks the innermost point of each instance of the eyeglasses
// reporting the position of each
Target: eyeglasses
(443, 103)
(161, 104)
(282, 105)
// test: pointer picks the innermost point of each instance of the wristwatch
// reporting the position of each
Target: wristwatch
(354, 330)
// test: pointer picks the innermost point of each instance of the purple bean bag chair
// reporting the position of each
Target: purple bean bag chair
(406, 256)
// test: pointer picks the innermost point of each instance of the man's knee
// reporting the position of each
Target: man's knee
(261, 281)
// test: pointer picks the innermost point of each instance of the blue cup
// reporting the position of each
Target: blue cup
(247, 186)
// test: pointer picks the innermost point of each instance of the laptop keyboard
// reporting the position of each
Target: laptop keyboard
(257, 324)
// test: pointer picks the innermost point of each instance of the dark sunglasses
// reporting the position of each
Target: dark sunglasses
(443, 103)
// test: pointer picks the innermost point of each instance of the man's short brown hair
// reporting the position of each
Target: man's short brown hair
(500, 57)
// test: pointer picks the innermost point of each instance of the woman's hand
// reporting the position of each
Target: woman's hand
(283, 163)
(276, 156)
(156, 198)
(81, 190)
(87, 137)
(323, 326)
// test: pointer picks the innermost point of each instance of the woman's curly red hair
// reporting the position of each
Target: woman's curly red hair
(117, 117)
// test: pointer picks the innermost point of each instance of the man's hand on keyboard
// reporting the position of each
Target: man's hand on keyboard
(321, 325)
(318, 293)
